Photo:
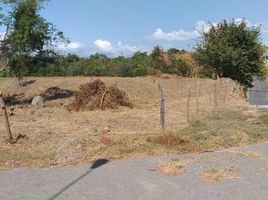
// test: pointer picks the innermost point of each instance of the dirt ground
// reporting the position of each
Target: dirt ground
(53, 127)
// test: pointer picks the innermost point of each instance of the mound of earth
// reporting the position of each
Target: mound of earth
(96, 95)
(53, 93)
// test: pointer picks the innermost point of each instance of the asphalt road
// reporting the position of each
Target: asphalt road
(136, 179)
(258, 95)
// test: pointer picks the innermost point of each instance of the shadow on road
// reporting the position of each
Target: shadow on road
(95, 165)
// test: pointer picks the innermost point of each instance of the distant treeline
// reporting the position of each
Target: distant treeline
(172, 61)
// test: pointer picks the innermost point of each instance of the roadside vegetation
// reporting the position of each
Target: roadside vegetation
(224, 129)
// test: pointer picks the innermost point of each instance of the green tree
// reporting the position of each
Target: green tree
(176, 51)
(27, 34)
(71, 58)
(234, 50)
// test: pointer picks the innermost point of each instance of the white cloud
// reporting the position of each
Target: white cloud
(203, 27)
(179, 35)
(126, 48)
(264, 27)
(99, 46)
(200, 27)
(103, 45)
(2, 35)
(70, 46)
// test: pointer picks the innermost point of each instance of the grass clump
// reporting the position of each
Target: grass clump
(224, 129)
(172, 167)
(215, 175)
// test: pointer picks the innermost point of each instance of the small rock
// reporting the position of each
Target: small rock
(38, 101)
(11, 113)
(106, 130)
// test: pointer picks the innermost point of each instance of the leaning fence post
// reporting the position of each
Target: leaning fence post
(162, 108)
(188, 104)
(9, 137)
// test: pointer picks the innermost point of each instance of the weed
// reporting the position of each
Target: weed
(215, 175)
(171, 167)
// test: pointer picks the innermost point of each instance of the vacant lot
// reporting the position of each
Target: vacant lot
(56, 136)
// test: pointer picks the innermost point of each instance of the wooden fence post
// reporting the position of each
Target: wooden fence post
(197, 99)
(162, 108)
(9, 137)
(188, 105)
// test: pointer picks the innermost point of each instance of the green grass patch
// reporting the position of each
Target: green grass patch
(37, 158)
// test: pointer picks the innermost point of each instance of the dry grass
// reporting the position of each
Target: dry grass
(247, 154)
(213, 133)
(172, 167)
(143, 92)
(215, 175)
(57, 137)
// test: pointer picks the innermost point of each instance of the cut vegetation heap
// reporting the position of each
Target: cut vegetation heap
(96, 95)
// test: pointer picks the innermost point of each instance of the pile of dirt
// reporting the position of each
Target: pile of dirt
(53, 93)
(96, 95)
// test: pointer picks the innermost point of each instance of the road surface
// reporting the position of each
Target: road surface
(136, 179)
(258, 95)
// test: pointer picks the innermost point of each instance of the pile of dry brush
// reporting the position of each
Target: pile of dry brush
(96, 95)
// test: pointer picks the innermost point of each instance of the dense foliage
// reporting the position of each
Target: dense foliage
(234, 50)
(27, 36)
(228, 49)
(140, 64)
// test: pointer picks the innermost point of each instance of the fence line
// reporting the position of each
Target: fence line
(200, 100)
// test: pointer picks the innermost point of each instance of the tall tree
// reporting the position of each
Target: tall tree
(27, 34)
(233, 49)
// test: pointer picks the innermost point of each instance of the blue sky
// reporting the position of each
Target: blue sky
(120, 27)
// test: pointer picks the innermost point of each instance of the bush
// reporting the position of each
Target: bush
(233, 50)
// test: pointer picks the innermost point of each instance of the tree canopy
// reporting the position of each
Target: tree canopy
(233, 49)
(27, 34)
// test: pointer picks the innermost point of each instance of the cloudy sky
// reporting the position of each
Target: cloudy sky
(121, 27)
